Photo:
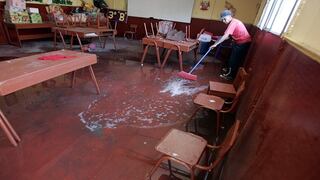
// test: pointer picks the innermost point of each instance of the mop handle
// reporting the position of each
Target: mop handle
(199, 61)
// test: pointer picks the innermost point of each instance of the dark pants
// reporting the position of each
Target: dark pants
(238, 54)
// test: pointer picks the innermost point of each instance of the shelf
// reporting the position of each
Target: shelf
(35, 2)
(35, 36)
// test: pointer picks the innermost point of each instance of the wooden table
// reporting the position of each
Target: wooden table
(179, 46)
(20, 73)
(27, 31)
(82, 32)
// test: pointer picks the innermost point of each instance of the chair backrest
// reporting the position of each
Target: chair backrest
(112, 24)
(241, 76)
(133, 27)
(227, 144)
(236, 99)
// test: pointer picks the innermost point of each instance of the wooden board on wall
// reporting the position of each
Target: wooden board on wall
(172, 10)
(3, 36)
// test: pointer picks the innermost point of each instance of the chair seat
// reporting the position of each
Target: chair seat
(222, 89)
(209, 101)
(183, 146)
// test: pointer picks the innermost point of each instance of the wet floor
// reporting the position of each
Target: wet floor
(75, 134)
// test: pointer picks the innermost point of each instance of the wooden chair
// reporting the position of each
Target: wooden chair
(187, 149)
(151, 40)
(216, 104)
(132, 31)
(226, 90)
(112, 33)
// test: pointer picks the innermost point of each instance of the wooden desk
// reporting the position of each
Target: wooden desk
(20, 73)
(27, 31)
(152, 41)
(223, 90)
(181, 46)
(81, 32)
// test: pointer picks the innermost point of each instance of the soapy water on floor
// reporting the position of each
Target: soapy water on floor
(157, 110)
(135, 112)
(178, 87)
(169, 104)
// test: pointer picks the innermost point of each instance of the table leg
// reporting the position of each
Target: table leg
(217, 125)
(94, 79)
(170, 170)
(71, 41)
(153, 170)
(73, 79)
(104, 43)
(158, 56)
(9, 126)
(9, 131)
(144, 54)
(166, 58)
(18, 36)
(64, 43)
(114, 42)
(55, 39)
(100, 40)
(79, 40)
(180, 60)
(163, 52)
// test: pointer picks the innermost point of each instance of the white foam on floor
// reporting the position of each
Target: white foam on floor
(153, 112)
(178, 87)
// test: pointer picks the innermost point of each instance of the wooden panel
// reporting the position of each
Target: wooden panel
(214, 26)
(260, 62)
(34, 25)
(281, 137)
(35, 36)
(3, 35)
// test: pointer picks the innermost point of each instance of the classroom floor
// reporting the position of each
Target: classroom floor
(75, 134)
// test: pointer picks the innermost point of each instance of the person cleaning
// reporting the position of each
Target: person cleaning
(238, 32)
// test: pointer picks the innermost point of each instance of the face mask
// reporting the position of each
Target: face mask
(224, 20)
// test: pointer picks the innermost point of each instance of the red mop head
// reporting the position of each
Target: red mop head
(188, 76)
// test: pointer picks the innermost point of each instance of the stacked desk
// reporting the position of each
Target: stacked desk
(82, 32)
(179, 46)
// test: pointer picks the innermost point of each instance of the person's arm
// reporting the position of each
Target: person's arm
(230, 29)
(220, 40)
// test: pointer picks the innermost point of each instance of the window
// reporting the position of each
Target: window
(277, 15)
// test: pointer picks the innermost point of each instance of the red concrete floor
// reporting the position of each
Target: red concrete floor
(75, 134)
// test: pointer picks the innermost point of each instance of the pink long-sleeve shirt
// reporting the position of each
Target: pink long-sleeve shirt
(238, 31)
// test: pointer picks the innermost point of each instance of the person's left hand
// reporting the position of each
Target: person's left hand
(213, 46)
